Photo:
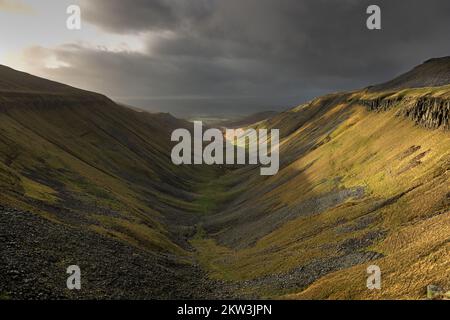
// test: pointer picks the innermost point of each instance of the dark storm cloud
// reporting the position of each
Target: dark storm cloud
(142, 15)
(279, 48)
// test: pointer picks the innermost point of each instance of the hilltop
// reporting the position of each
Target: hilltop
(432, 73)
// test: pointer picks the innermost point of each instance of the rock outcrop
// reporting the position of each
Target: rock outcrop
(429, 112)
(437, 293)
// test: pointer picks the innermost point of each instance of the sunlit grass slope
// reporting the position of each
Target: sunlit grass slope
(357, 187)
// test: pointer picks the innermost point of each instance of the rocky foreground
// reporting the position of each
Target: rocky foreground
(35, 254)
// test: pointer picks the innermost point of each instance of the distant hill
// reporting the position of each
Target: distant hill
(13, 80)
(246, 120)
(432, 73)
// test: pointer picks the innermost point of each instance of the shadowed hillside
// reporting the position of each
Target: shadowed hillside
(100, 185)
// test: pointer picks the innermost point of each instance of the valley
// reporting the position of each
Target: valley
(363, 179)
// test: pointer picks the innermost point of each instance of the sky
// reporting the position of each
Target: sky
(221, 57)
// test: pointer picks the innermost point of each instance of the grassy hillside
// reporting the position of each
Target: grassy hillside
(358, 186)
(80, 161)
(104, 157)
(363, 180)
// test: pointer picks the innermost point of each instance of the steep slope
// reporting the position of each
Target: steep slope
(96, 174)
(364, 179)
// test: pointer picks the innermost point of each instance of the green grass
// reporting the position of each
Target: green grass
(214, 190)
(5, 296)
(364, 150)
(38, 191)
(211, 256)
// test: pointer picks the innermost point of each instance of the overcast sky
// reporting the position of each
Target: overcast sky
(221, 55)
